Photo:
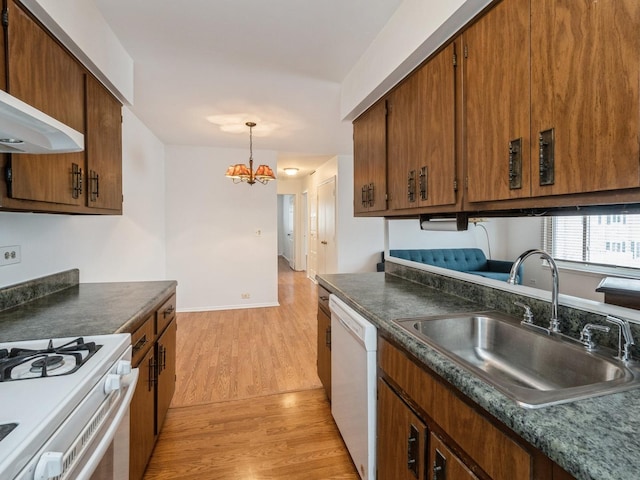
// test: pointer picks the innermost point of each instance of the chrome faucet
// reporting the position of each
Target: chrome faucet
(554, 324)
(624, 351)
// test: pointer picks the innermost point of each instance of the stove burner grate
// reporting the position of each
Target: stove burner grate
(40, 362)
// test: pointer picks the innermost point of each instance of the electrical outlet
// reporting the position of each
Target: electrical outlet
(10, 254)
(245, 296)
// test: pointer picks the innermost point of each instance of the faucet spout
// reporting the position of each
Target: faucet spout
(554, 324)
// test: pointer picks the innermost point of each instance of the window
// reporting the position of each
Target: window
(608, 240)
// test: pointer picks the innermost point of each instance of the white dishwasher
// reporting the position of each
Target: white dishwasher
(353, 384)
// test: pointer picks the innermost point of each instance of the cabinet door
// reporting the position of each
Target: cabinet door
(166, 382)
(585, 82)
(401, 438)
(421, 136)
(444, 464)
(496, 103)
(41, 73)
(103, 148)
(370, 160)
(324, 350)
(142, 433)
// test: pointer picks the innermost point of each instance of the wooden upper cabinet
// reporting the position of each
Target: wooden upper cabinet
(421, 136)
(585, 81)
(496, 103)
(370, 160)
(41, 73)
(103, 148)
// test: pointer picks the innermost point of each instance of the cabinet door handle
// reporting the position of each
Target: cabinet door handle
(76, 180)
(152, 374)
(546, 144)
(371, 194)
(139, 345)
(327, 338)
(94, 186)
(439, 466)
(423, 184)
(411, 186)
(413, 450)
(515, 164)
(364, 196)
(168, 311)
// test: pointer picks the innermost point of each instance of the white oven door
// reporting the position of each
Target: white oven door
(93, 442)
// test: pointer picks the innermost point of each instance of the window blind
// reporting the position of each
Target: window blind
(610, 240)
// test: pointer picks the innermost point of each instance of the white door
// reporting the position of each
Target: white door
(291, 215)
(327, 252)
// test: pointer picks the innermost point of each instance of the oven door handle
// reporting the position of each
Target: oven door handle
(98, 453)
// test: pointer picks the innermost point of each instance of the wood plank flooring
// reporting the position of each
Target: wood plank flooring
(248, 402)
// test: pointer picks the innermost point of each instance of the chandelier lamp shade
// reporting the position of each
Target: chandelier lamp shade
(241, 173)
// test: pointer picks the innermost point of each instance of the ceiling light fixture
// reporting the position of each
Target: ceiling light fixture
(291, 171)
(241, 173)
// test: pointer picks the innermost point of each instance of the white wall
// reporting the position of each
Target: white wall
(416, 29)
(359, 240)
(213, 247)
(407, 234)
(105, 248)
(526, 233)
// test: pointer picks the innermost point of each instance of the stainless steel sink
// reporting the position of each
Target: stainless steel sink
(534, 369)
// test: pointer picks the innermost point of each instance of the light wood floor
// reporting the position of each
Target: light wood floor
(248, 402)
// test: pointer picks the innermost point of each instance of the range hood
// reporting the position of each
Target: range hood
(25, 129)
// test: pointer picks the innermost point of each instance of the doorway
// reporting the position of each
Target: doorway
(287, 228)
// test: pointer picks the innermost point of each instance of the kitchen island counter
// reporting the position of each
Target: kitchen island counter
(593, 439)
(80, 309)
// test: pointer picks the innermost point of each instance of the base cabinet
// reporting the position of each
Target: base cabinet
(427, 430)
(154, 354)
(324, 340)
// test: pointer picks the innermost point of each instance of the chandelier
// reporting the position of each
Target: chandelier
(241, 173)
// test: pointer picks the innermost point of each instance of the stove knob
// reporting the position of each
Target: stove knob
(49, 465)
(111, 383)
(123, 367)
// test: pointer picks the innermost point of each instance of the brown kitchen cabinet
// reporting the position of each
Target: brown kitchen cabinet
(324, 340)
(103, 148)
(42, 73)
(421, 135)
(496, 103)
(402, 438)
(585, 96)
(154, 354)
(370, 160)
(472, 443)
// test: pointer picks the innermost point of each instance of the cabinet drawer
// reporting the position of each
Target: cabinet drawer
(323, 299)
(165, 314)
(480, 439)
(141, 341)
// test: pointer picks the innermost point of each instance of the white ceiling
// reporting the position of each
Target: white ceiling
(279, 62)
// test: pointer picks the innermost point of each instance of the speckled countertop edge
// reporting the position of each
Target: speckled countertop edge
(593, 439)
(84, 309)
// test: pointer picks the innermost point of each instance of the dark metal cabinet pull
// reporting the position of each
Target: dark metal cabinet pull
(547, 157)
(413, 450)
(365, 195)
(371, 194)
(76, 180)
(139, 345)
(423, 183)
(439, 467)
(152, 374)
(411, 186)
(327, 338)
(515, 164)
(94, 185)
(168, 311)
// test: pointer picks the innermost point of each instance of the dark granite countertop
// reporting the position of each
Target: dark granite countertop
(594, 439)
(84, 309)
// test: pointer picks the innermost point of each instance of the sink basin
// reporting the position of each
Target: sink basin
(533, 369)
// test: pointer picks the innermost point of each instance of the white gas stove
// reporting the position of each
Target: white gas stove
(63, 404)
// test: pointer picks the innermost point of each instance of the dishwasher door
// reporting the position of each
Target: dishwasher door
(353, 384)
